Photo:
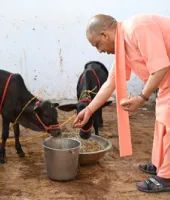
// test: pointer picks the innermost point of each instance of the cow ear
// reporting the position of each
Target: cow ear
(55, 105)
(68, 107)
(36, 109)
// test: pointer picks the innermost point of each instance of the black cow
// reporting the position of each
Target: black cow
(17, 96)
(94, 75)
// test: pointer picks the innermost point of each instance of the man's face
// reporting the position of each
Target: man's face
(103, 42)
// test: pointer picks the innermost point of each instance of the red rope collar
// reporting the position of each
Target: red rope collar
(87, 99)
(88, 130)
(52, 127)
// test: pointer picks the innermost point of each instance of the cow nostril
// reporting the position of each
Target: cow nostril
(55, 133)
(85, 135)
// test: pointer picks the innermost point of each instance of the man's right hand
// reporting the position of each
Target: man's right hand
(82, 118)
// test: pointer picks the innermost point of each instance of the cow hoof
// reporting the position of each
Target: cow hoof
(2, 160)
(100, 125)
(2, 156)
(21, 154)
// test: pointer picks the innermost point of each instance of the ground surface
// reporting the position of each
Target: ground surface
(113, 178)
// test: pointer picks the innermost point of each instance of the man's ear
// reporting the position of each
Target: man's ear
(104, 35)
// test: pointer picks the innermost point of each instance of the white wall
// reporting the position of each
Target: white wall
(45, 40)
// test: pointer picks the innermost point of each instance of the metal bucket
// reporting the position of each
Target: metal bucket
(62, 158)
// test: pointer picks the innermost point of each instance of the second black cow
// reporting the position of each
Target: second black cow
(92, 78)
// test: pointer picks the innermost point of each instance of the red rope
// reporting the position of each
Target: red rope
(5, 90)
(94, 75)
(81, 79)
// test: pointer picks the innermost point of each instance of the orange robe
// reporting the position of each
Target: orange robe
(147, 50)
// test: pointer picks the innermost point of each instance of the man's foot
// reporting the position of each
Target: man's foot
(148, 168)
(154, 184)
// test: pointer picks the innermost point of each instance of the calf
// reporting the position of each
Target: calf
(38, 115)
(94, 75)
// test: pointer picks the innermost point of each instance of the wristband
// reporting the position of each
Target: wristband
(89, 110)
(144, 97)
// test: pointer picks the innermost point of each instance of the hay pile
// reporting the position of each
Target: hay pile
(88, 145)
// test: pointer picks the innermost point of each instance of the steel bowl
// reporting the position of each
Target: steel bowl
(93, 157)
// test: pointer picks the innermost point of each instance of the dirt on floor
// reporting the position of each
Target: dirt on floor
(112, 178)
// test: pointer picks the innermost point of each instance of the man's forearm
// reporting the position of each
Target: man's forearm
(102, 96)
(154, 81)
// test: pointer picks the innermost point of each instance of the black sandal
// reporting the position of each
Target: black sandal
(152, 186)
(148, 168)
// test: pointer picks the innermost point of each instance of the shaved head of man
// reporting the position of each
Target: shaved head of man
(101, 31)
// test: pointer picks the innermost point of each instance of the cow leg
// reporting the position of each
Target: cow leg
(100, 118)
(5, 134)
(96, 123)
(96, 130)
(17, 143)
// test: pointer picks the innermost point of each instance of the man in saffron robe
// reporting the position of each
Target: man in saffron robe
(147, 53)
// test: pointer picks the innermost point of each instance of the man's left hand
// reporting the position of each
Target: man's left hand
(132, 104)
